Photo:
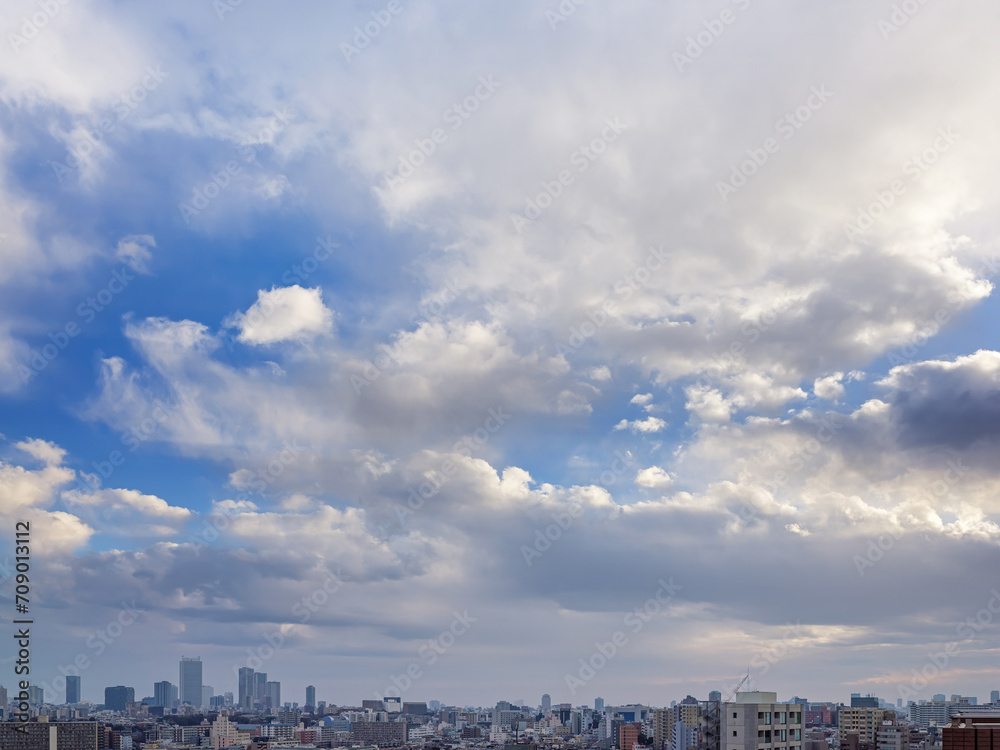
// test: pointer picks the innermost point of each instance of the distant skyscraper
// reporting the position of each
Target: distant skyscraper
(939, 697)
(259, 690)
(272, 695)
(36, 695)
(207, 693)
(245, 687)
(546, 703)
(995, 696)
(311, 696)
(598, 704)
(163, 694)
(868, 701)
(190, 680)
(73, 689)
(3, 697)
(116, 697)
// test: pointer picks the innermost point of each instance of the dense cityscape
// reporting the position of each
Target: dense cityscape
(254, 717)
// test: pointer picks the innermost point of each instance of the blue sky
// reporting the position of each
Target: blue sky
(697, 353)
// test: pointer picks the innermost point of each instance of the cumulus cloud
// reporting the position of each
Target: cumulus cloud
(135, 252)
(654, 478)
(283, 314)
(649, 424)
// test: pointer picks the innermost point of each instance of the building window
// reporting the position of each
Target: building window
(734, 733)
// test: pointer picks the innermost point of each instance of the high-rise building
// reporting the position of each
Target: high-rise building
(865, 722)
(259, 691)
(190, 680)
(311, 696)
(67, 735)
(72, 689)
(755, 719)
(867, 701)
(628, 735)
(3, 699)
(978, 730)
(207, 693)
(245, 687)
(163, 694)
(36, 695)
(272, 695)
(546, 703)
(995, 696)
(598, 704)
(116, 697)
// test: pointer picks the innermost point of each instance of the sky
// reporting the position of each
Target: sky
(474, 352)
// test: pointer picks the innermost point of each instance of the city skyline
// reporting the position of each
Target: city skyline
(556, 348)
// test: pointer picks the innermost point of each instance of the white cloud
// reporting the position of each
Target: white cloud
(829, 387)
(654, 477)
(134, 251)
(284, 314)
(649, 424)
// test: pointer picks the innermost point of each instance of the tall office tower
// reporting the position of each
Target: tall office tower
(36, 695)
(116, 697)
(3, 698)
(207, 693)
(756, 718)
(546, 703)
(245, 687)
(865, 722)
(73, 689)
(163, 694)
(190, 680)
(272, 695)
(311, 696)
(598, 704)
(868, 701)
(715, 695)
(995, 696)
(259, 681)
